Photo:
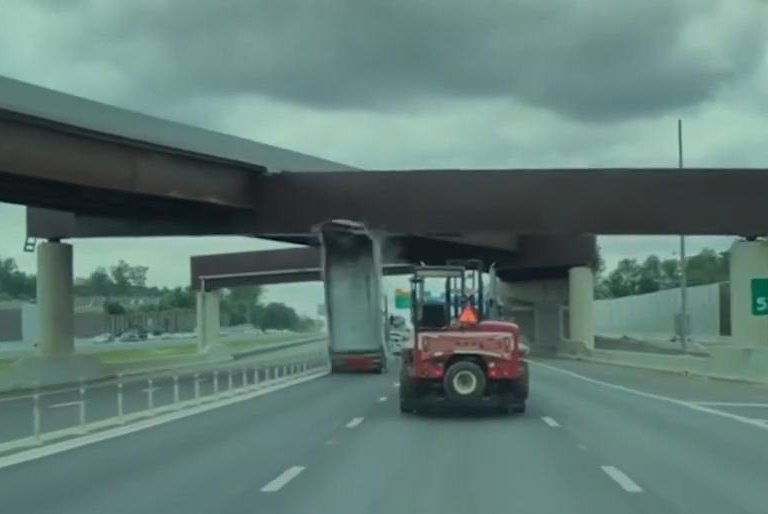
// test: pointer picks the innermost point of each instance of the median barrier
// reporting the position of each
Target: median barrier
(21, 375)
(739, 363)
(186, 388)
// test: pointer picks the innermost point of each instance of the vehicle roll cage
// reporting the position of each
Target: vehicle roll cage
(463, 285)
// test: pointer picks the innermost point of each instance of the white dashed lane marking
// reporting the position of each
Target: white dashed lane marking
(550, 421)
(623, 480)
(382, 399)
(285, 477)
(354, 422)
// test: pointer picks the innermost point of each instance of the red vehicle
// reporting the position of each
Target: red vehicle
(458, 358)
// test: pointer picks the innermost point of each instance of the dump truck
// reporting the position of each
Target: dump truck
(351, 269)
(459, 358)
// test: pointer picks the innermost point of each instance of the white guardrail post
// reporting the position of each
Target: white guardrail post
(150, 395)
(81, 416)
(175, 389)
(36, 418)
(120, 401)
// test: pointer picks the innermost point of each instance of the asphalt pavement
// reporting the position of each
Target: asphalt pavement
(595, 439)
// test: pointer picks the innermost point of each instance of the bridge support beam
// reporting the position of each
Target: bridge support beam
(748, 260)
(55, 299)
(581, 303)
(208, 319)
(351, 263)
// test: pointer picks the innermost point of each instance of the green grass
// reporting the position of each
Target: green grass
(236, 345)
(144, 354)
(240, 344)
(248, 343)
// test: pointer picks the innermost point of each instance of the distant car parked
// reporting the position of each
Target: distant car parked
(132, 335)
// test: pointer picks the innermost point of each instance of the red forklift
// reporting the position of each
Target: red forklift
(460, 358)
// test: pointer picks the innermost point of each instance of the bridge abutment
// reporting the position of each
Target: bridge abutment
(748, 261)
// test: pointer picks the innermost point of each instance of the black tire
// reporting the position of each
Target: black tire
(518, 408)
(407, 406)
(464, 380)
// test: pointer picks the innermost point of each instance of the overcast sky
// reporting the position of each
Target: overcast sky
(409, 84)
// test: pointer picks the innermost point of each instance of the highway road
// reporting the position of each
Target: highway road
(596, 439)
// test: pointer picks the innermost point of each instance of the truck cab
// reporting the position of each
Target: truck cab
(460, 358)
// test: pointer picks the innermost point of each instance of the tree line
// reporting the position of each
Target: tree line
(631, 277)
(239, 305)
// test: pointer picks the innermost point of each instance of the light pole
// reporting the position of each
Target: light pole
(683, 271)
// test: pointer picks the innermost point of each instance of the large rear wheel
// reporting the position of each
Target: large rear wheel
(464, 380)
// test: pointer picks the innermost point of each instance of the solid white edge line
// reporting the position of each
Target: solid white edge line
(354, 422)
(622, 479)
(550, 421)
(71, 444)
(733, 404)
(282, 479)
(693, 406)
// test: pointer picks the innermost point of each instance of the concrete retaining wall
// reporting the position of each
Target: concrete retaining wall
(652, 316)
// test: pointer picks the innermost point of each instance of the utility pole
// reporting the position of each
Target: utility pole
(683, 270)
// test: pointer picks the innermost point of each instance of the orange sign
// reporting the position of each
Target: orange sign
(468, 315)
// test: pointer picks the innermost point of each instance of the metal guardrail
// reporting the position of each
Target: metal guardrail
(186, 390)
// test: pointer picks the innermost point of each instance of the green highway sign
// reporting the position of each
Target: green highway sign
(760, 296)
(402, 299)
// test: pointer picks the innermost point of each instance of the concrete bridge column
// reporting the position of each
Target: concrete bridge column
(352, 280)
(55, 362)
(748, 260)
(208, 319)
(581, 302)
(55, 299)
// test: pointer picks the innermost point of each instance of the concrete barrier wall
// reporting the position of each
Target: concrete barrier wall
(23, 322)
(652, 316)
(660, 362)
(10, 325)
(731, 363)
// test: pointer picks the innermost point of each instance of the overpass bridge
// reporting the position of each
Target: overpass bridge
(89, 170)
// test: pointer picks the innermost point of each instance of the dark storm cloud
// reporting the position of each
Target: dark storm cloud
(591, 59)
